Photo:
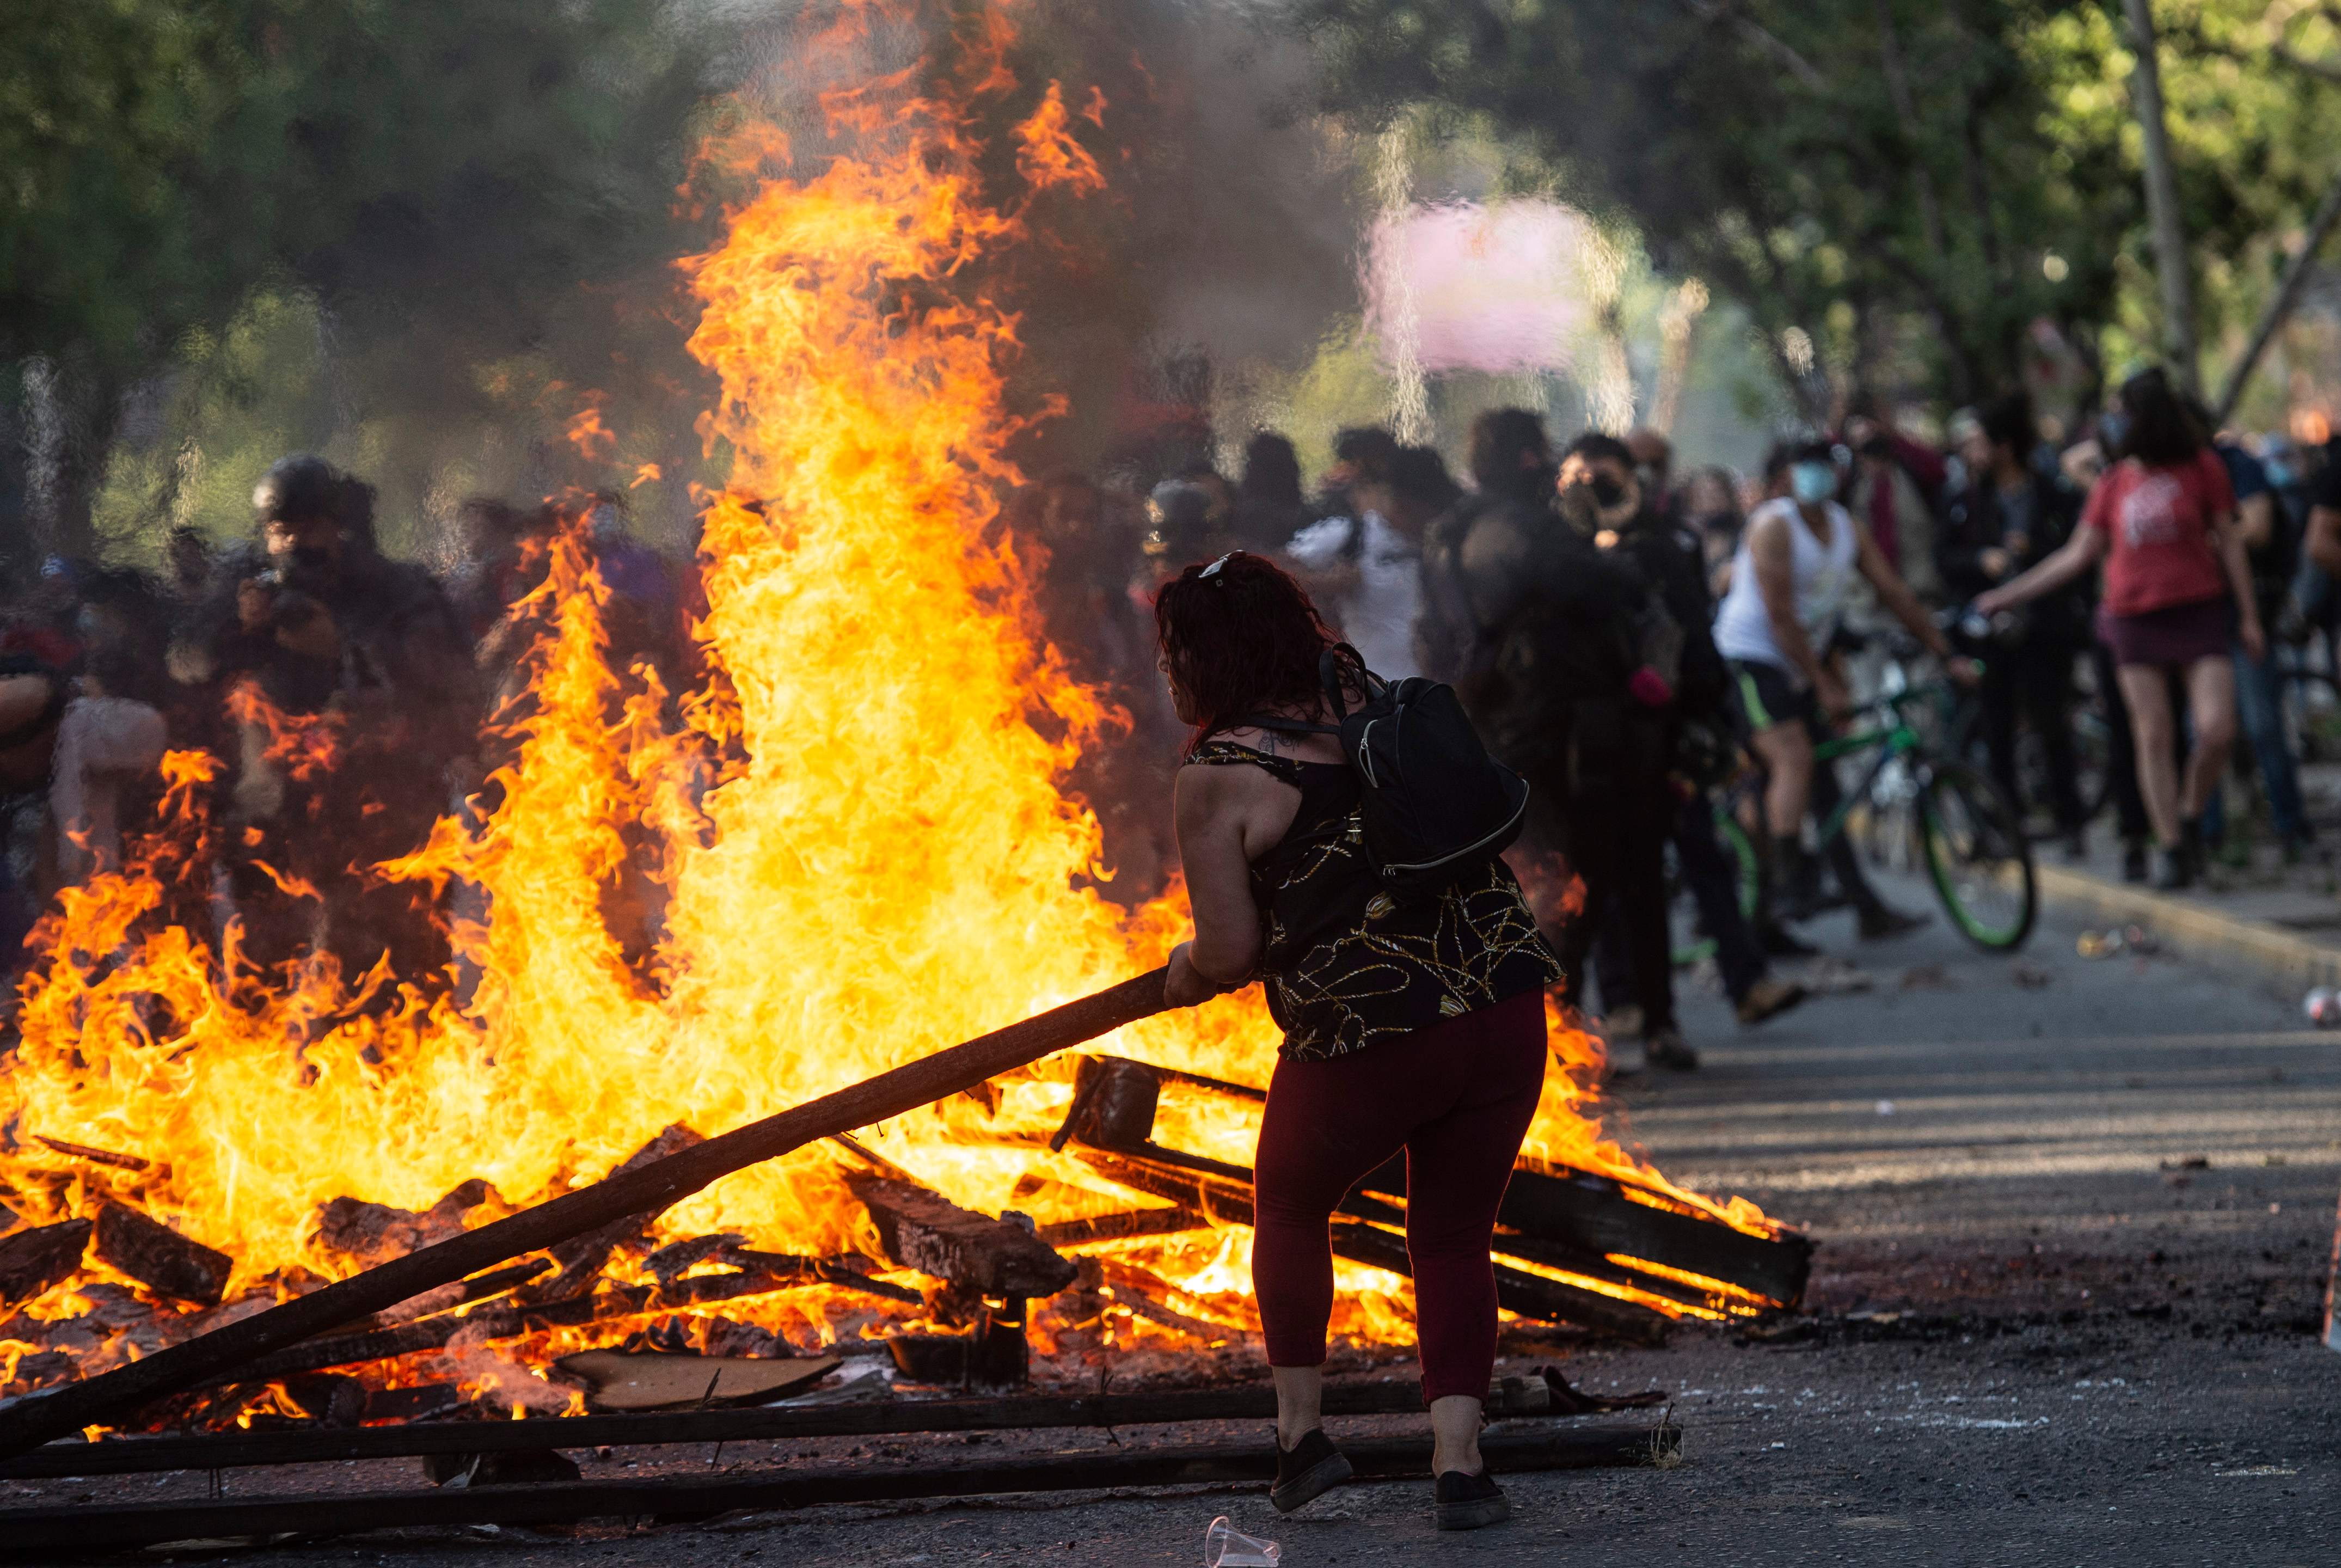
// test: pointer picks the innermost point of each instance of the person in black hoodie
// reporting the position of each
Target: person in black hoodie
(2004, 517)
(1672, 565)
(1536, 628)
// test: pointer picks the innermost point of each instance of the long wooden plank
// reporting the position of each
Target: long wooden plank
(653, 1187)
(46, 1533)
(314, 1444)
(1224, 1192)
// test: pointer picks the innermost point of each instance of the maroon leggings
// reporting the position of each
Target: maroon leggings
(1458, 1097)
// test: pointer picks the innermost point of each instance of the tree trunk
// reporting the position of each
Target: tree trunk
(2162, 201)
(2287, 295)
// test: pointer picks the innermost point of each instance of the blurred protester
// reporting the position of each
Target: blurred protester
(1536, 628)
(1667, 560)
(187, 555)
(1367, 567)
(2004, 517)
(105, 744)
(34, 695)
(1895, 484)
(1186, 522)
(1269, 506)
(1654, 462)
(1798, 561)
(1710, 510)
(2162, 521)
(1360, 451)
(2272, 551)
(354, 706)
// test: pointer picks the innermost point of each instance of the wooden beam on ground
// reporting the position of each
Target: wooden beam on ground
(922, 1228)
(46, 1533)
(1224, 1192)
(237, 1450)
(116, 1394)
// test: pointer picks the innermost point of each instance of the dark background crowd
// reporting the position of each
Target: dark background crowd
(1568, 591)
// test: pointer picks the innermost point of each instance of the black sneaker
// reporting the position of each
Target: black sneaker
(1469, 1502)
(2134, 868)
(1780, 942)
(2173, 870)
(1881, 923)
(1307, 1471)
(1667, 1048)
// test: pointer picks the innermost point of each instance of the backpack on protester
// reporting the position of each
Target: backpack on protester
(1432, 801)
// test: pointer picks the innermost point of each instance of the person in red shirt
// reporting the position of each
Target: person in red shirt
(2177, 597)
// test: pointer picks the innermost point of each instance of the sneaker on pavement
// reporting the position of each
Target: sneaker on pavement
(1779, 942)
(1307, 1471)
(1768, 998)
(1621, 1023)
(1463, 1501)
(2134, 867)
(2173, 870)
(1667, 1048)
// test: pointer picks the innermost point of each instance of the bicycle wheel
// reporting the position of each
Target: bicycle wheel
(1976, 856)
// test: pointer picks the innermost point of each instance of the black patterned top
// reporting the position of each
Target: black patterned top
(1346, 964)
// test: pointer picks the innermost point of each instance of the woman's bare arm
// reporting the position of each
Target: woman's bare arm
(2069, 561)
(1226, 817)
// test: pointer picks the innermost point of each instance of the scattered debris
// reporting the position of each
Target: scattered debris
(159, 1257)
(2322, 1007)
(1829, 975)
(94, 1156)
(1928, 977)
(2030, 976)
(616, 1381)
(1886, 1107)
(2188, 1163)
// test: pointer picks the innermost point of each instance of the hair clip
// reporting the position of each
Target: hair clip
(1213, 568)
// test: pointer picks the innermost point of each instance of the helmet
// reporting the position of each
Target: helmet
(297, 489)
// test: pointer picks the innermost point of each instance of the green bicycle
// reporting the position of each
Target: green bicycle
(1960, 828)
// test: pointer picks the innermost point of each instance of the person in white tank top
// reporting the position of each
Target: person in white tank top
(1797, 560)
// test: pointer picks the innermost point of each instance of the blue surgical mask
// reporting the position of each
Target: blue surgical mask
(1812, 482)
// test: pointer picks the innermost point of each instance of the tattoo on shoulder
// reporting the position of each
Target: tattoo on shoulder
(1267, 743)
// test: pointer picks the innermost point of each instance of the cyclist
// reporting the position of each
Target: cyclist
(1796, 564)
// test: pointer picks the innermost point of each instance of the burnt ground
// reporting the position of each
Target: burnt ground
(2075, 1223)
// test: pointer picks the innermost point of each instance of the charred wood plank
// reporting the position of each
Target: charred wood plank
(1595, 1213)
(33, 1260)
(1121, 1226)
(924, 1231)
(376, 1232)
(82, 1528)
(151, 1456)
(656, 1186)
(159, 1257)
(578, 1260)
(1224, 1192)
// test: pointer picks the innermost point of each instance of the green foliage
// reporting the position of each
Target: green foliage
(468, 182)
(1910, 183)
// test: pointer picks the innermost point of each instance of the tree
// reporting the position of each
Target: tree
(451, 174)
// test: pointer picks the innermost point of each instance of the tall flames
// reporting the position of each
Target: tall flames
(860, 844)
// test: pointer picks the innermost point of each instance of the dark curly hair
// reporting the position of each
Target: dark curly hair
(1241, 637)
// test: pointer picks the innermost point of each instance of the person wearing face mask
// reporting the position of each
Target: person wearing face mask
(1534, 626)
(1797, 562)
(1632, 935)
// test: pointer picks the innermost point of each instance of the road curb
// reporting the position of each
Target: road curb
(2196, 933)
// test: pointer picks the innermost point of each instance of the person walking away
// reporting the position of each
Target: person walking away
(2006, 517)
(2161, 519)
(1797, 559)
(1895, 484)
(1412, 1022)
(1699, 746)
(2272, 550)
(1533, 624)
(1270, 508)
(1366, 563)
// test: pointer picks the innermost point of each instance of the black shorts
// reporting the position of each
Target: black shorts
(1768, 696)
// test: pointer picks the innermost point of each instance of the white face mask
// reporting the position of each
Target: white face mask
(1812, 482)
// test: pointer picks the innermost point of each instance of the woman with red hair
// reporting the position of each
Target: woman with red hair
(1413, 1023)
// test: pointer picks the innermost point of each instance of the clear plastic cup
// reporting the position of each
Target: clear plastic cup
(1225, 1546)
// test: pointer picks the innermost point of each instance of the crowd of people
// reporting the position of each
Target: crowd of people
(344, 693)
(1629, 639)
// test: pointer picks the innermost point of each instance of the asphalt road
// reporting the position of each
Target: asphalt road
(2075, 1223)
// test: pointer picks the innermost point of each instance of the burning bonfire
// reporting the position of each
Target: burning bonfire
(863, 853)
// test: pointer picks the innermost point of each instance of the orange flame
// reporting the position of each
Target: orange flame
(860, 848)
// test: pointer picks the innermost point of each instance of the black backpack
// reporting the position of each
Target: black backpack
(1434, 802)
